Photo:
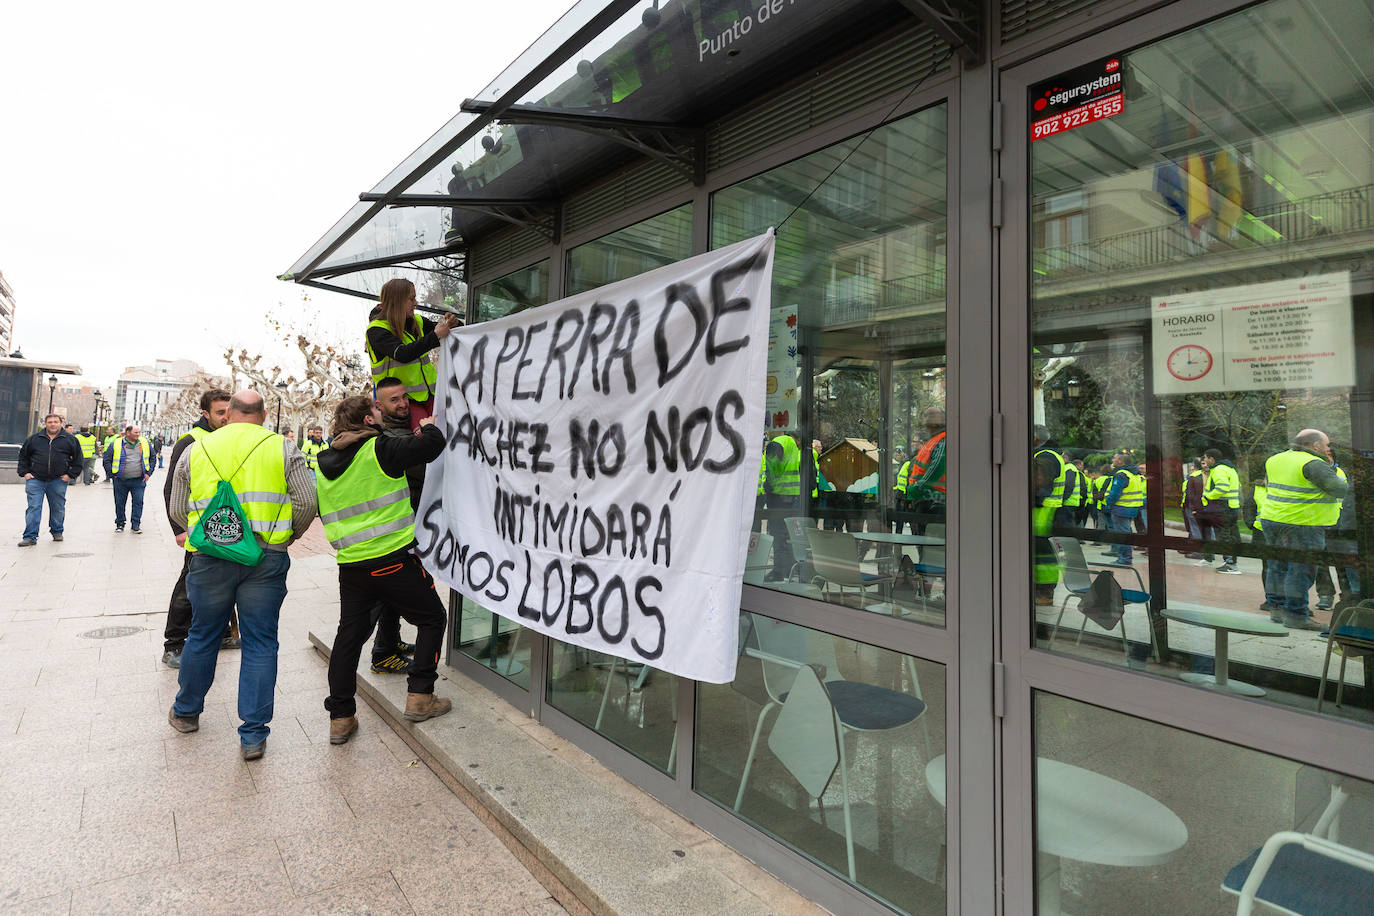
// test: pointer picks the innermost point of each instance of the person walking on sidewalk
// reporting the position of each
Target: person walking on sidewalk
(365, 506)
(214, 413)
(277, 495)
(129, 463)
(48, 461)
(399, 344)
(88, 444)
(312, 446)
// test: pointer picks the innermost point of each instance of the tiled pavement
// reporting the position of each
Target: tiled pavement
(104, 808)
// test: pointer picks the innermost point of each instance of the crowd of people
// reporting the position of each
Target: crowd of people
(1299, 506)
(238, 495)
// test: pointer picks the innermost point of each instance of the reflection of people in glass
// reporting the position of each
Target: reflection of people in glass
(1047, 511)
(1220, 506)
(781, 489)
(1193, 486)
(1302, 500)
(1124, 503)
(924, 481)
(1341, 538)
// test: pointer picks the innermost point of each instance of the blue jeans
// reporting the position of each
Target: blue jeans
(1291, 580)
(123, 489)
(56, 492)
(214, 587)
(1190, 521)
(1124, 525)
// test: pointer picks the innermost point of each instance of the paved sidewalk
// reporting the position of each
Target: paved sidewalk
(104, 808)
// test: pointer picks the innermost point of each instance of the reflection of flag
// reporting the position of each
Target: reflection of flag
(1226, 180)
(1199, 201)
(1168, 175)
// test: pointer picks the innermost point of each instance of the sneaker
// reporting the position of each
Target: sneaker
(1301, 623)
(392, 664)
(254, 751)
(1276, 616)
(340, 730)
(422, 706)
(1109, 553)
(182, 724)
(172, 658)
(405, 648)
(137, 530)
(119, 527)
(1122, 563)
(1269, 606)
(1203, 562)
(231, 642)
(1229, 570)
(27, 543)
(57, 537)
(1324, 602)
(1192, 556)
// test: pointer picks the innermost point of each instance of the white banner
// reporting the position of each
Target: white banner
(603, 458)
(1282, 334)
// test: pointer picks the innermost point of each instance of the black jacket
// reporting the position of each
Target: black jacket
(49, 459)
(181, 445)
(395, 454)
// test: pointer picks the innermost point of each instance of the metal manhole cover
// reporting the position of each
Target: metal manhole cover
(112, 632)
(71, 555)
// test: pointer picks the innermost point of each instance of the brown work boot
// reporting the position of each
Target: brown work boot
(340, 730)
(182, 723)
(422, 706)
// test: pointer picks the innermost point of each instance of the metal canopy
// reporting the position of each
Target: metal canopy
(612, 82)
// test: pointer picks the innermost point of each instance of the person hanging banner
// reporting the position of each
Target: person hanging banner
(603, 458)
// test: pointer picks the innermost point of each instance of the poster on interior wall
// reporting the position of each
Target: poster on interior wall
(602, 461)
(1284, 334)
(781, 397)
(1077, 97)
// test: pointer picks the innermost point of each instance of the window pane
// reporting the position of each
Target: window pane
(1133, 817)
(515, 292)
(500, 644)
(649, 244)
(851, 499)
(1203, 347)
(823, 742)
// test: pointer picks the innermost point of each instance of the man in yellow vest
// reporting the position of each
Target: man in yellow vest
(781, 491)
(1221, 506)
(214, 413)
(129, 463)
(1048, 474)
(1302, 499)
(88, 445)
(365, 506)
(277, 493)
(312, 446)
(1124, 502)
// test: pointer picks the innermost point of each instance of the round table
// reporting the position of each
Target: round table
(1083, 815)
(887, 537)
(1224, 622)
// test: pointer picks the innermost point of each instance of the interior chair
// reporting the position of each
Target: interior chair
(808, 735)
(835, 558)
(928, 561)
(1311, 874)
(756, 564)
(797, 526)
(782, 649)
(1074, 570)
(1352, 635)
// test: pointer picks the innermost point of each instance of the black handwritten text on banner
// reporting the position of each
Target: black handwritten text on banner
(602, 461)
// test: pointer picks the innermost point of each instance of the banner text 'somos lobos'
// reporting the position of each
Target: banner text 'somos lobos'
(603, 458)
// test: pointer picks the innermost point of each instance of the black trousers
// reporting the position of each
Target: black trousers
(403, 586)
(179, 612)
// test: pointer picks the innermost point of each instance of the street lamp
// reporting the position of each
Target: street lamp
(280, 387)
(52, 390)
(95, 410)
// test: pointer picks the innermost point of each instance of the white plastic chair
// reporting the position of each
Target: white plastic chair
(836, 561)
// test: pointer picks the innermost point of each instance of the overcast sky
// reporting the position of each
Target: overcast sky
(161, 163)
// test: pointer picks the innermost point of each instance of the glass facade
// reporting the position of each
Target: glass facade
(852, 481)
(1088, 643)
(1203, 346)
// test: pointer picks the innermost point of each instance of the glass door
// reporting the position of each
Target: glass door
(1188, 342)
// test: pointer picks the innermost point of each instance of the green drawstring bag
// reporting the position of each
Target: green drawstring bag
(223, 530)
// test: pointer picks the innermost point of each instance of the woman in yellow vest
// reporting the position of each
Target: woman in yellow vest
(399, 345)
(365, 507)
